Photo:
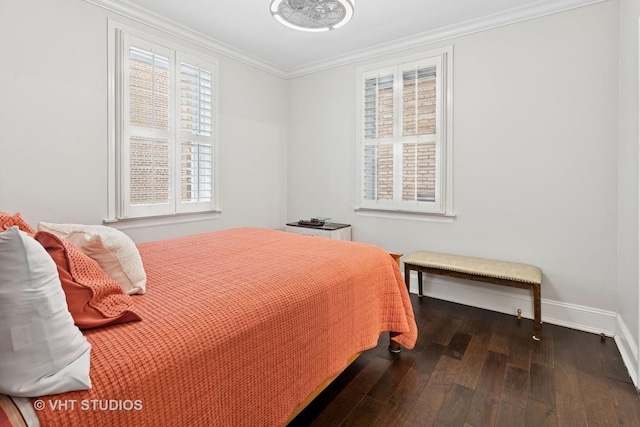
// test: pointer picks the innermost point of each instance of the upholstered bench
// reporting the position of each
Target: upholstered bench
(504, 273)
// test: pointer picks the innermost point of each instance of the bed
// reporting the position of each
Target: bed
(238, 328)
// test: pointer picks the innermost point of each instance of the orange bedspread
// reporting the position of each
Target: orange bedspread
(239, 326)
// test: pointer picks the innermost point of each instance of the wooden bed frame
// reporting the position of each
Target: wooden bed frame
(301, 407)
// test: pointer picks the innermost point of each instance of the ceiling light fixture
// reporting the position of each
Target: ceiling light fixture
(312, 15)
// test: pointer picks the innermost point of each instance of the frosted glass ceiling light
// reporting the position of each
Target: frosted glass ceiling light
(312, 15)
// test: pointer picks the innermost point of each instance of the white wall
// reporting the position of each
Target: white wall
(535, 154)
(628, 181)
(53, 124)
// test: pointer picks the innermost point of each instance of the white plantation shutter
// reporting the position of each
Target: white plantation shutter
(168, 127)
(196, 136)
(378, 135)
(419, 144)
(401, 137)
(147, 129)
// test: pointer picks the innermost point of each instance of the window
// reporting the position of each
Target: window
(404, 136)
(165, 127)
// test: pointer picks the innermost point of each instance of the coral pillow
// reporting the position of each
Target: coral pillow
(7, 221)
(94, 299)
(41, 350)
(113, 250)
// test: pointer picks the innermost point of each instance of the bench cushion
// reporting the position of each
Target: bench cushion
(479, 266)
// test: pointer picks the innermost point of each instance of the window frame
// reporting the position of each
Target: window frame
(442, 206)
(119, 210)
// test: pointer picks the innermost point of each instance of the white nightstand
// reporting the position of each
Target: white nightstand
(331, 230)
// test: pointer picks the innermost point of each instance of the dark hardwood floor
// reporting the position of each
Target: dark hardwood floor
(473, 367)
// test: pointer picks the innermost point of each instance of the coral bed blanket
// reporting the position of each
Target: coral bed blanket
(239, 326)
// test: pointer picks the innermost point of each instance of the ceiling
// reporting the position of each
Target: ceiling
(245, 29)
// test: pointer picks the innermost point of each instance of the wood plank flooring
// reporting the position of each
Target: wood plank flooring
(472, 368)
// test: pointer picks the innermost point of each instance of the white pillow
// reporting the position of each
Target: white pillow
(113, 250)
(41, 350)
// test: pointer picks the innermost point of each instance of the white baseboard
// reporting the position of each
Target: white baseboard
(509, 300)
(628, 350)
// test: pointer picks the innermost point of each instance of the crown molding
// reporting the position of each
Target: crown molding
(511, 16)
(159, 22)
(488, 22)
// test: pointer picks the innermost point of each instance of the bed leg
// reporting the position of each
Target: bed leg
(394, 347)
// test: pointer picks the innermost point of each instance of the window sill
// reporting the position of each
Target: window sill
(408, 215)
(152, 221)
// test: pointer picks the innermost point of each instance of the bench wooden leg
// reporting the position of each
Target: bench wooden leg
(407, 275)
(537, 312)
(407, 278)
